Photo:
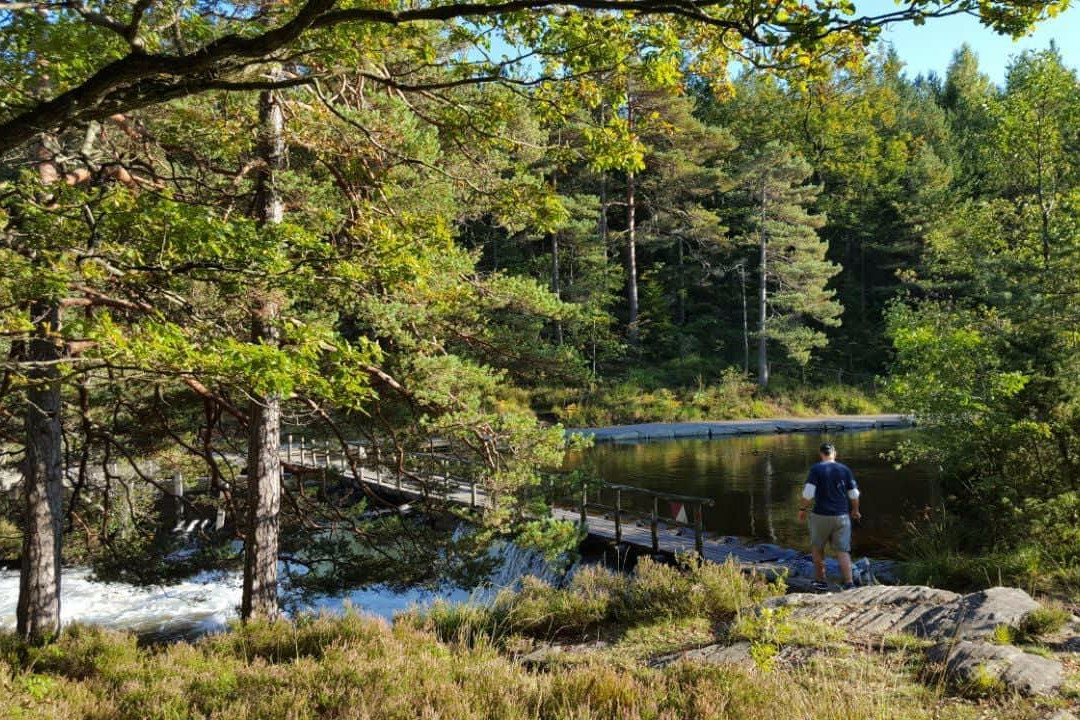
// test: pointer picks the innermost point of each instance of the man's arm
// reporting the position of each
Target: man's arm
(853, 496)
(807, 498)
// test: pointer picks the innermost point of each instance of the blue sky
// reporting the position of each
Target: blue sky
(930, 47)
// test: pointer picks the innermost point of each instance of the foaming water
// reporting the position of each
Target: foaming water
(208, 602)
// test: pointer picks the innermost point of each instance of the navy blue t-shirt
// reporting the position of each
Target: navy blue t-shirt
(832, 481)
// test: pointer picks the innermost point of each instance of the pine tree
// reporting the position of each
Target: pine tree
(968, 98)
(792, 268)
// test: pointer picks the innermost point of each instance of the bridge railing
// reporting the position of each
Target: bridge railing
(431, 474)
(619, 511)
(453, 478)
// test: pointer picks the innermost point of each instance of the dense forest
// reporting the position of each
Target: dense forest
(478, 224)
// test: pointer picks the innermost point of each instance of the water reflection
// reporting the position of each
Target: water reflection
(756, 481)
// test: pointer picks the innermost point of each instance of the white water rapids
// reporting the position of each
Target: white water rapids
(208, 601)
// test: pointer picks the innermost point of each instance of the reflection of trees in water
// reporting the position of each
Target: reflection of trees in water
(768, 481)
(753, 524)
(743, 473)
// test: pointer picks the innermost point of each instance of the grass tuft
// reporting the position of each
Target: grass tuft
(1043, 621)
(598, 600)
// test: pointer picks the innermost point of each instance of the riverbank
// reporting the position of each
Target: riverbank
(731, 397)
(646, 432)
(701, 642)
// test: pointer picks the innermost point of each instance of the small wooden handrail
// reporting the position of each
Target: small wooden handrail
(694, 503)
(676, 497)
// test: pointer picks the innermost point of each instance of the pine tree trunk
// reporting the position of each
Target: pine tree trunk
(745, 322)
(602, 225)
(259, 597)
(38, 611)
(631, 262)
(631, 239)
(555, 281)
(264, 491)
(763, 300)
(680, 315)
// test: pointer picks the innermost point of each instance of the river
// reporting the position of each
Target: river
(208, 601)
(756, 481)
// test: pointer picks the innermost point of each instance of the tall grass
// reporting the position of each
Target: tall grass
(731, 396)
(357, 667)
(597, 599)
(934, 555)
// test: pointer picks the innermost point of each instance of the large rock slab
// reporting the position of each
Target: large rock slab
(975, 663)
(737, 654)
(913, 609)
(979, 613)
(549, 653)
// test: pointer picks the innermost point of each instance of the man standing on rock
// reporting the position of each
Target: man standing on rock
(831, 488)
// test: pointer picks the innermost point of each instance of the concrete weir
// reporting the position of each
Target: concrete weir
(647, 432)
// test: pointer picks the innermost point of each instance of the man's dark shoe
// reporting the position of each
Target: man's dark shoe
(848, 586)
(819, 586)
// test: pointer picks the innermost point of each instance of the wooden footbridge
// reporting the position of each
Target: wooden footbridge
(648, 520)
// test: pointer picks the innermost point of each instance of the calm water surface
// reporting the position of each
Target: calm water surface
(756, 481)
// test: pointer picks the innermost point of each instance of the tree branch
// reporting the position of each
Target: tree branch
(139, 79)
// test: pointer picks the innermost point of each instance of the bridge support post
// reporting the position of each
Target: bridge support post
(219, 513)
(654, 524)
(584, 502)
(618, 516)
(699, 544)
(178, 500)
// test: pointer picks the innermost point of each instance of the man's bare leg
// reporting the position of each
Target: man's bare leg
(819, 563)
(845, 565)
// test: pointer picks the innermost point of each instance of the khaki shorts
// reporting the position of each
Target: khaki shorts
(834, 529)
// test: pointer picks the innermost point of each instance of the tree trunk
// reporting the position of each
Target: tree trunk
(555, 281)
(259, 597)
(264, 489)
(602, 225)
(631, 239)
(680, 315)
(631, 263)
(763, 300)
(745, 321)
(38, 612)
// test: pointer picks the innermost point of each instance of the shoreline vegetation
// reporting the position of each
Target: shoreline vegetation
(661, 431)
(731, 397)
(601, 647)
